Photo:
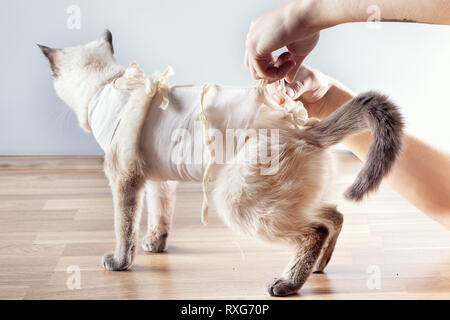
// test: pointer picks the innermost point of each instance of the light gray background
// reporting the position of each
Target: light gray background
(204, 41)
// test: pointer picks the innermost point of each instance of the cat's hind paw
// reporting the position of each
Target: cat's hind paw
(280, 287)
(154, 242)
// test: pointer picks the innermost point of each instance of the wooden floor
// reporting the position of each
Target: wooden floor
(57, 212)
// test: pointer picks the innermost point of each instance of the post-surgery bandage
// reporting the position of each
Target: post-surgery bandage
(183, 124)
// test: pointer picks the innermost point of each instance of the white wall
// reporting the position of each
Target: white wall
(204, 41)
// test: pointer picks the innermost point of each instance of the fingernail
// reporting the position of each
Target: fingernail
(290, 92)
(278, 99)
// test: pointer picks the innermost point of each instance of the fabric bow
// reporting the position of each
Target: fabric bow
(134, 77)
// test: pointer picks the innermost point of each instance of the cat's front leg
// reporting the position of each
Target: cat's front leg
(127, 190)
(160, 197)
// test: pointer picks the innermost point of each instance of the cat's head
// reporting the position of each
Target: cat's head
(79, 72)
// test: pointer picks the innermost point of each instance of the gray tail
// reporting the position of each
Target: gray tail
(372, 111)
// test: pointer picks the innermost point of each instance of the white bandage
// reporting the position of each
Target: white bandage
(179, 108)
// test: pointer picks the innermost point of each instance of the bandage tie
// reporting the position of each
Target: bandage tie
(134, 77)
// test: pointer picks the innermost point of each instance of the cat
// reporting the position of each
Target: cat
(288, 206)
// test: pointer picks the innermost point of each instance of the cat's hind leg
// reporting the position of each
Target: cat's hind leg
(308, 246)
(334, 220)
(160, 198)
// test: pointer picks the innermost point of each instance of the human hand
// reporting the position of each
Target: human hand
(291, 26)
(310, 87)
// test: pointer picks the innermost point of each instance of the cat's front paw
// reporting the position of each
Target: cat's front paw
(280, 287)
(110, 262)
(155, 242)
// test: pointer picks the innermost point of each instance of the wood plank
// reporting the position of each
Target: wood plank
(56, 212)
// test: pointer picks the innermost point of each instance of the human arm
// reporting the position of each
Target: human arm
(297, 24)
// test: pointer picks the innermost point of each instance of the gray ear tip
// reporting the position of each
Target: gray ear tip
(107, 35)
(45, 50)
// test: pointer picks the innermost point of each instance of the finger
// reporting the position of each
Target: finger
(295, 90)
(264, 67)
(284, 69)
(274, 73)
(278, 99)
(246, 60)
(257, 76)
(272, 91)
(281, 62)
(250, 68)
(290, 77)
(283, 58)
(253, 73)
(247, 50)
(248, 54)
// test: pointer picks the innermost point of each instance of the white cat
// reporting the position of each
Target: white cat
(288, 205)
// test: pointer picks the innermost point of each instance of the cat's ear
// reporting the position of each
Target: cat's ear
(50, 53)
(107, 36)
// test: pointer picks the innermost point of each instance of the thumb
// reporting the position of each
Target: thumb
(295, 90)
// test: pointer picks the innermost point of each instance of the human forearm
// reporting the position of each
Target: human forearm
(421, 175)
(327, 13)
(335, 97)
